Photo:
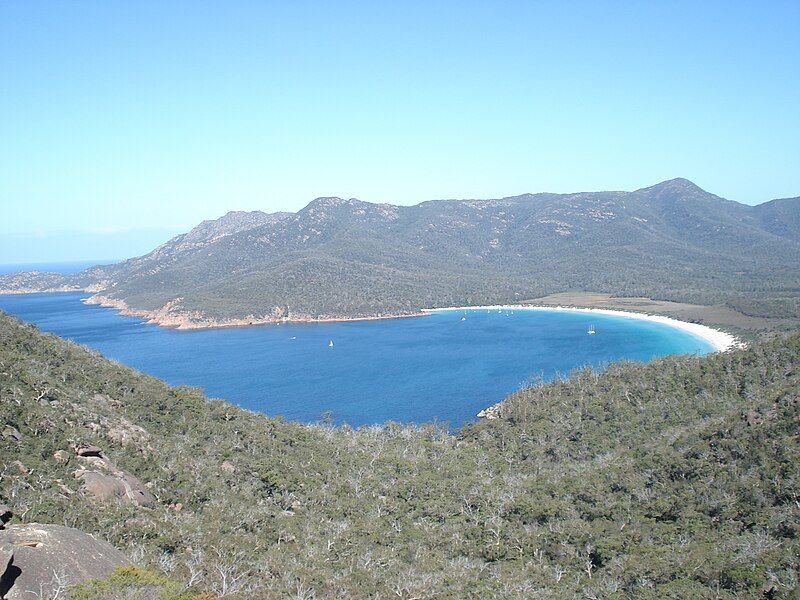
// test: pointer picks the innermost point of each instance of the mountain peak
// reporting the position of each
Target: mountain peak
(679, 184)
(325, 202)
(332, 202)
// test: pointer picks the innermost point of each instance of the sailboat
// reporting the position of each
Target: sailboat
(591, 330)
(330, 344)
(463, 318)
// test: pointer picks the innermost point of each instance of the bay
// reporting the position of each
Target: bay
(444, 367)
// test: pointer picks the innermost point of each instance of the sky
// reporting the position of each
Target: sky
(124, 123)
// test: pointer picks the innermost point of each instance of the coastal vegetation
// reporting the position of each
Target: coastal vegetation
(339, 258)
(677, 478)
(220, 380)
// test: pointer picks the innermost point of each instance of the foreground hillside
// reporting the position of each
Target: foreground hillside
(673, 479)
(348, 258)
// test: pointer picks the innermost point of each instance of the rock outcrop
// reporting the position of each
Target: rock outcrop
(61, 456)
(116, 487)
(12, 433)
(492, 412)
(5, 515)
(41, 561)
(105, 482)
(88, 450)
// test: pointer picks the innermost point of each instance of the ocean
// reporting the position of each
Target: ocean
(65, 267)
(444, 367)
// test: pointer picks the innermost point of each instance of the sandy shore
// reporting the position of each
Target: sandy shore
(171, 316)
(719, 340)
(167, 316)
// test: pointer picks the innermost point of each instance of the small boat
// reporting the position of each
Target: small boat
(330, 344)
(591, 330)
(463, 318)
(294, 337)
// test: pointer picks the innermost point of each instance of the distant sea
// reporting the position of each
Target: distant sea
(65, 268)
(444, 367)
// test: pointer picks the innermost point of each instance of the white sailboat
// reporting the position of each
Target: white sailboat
(330, 344)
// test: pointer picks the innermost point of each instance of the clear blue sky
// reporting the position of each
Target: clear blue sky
(122, 123)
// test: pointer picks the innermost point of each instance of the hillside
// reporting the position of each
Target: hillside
(348, 258)
(678, 479)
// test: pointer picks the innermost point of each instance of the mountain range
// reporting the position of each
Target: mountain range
(340, 258)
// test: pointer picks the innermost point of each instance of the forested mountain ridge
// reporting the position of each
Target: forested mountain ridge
(348, 258)
(781, 217)
(209, 232)
(677, 478)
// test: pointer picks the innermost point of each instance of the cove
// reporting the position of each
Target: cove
(443, 367)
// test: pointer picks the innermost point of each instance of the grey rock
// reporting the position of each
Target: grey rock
(104, 481)
(6, 569)
(88, 450)
(63, 488)
(492, 412)
(12, 433)
(61, 456)
(102, 487)
(119, 486)
(47, 558)
(101, 400)
(5, 514)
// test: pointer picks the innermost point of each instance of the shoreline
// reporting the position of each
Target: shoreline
(165, 316)
(58, 290)
(193, 321)
(720, 341)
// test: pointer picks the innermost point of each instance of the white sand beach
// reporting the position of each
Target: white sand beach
(719, 340)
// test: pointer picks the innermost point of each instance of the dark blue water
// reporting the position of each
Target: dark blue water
(408, 370)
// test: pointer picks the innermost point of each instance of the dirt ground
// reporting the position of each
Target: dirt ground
(721, 317)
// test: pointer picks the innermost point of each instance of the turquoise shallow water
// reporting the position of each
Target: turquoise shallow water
(416, 369)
